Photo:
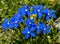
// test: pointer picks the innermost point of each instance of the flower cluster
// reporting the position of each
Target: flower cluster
(34, 29)
(13, 22)
(31, 28)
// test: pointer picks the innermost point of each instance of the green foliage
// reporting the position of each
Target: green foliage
(9, 7)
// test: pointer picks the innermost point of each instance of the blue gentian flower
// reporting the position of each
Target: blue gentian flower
(28, 13)
(11, 25)
(29, 22)
(38, 28)
(5, 24)
(45, 28)
(34, 9)
(49, 13)
(28, 32)
(37, 10)
(33, 25)
(17, 17)
(15, 20)
(12, 19)
(15, 24)
(23, 10)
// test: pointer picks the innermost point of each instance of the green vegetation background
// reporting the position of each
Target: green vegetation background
(9, 7)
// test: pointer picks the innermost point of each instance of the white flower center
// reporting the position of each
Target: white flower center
(16, 21)
(48, 14)
(38, 10)
(38, 27)
(8, 23)
(26, 10)
(44, 28)
(29, 22)
(28, 32)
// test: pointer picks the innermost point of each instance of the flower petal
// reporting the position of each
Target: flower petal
(11, 19)
(32, 34)
(32, 29)
(45, 10)
(15, 25)
(24, 32)
(40, 15)
(5, 26)
(24, 6)
(5, 20)
(52, 11)
(44, 32)
(34, 12)
(27, 21)
(11, 25)
(43, 26)
(38, 30)
(53, 15)
(48, 31)
(26, 28)
(28, 13)
(47, 18)
(27, 36)
(48, 27)
(40, 6)
(19, 10)
(20, 20)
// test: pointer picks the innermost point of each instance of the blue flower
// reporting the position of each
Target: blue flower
(5, 24)
(45, 28)
(38, 28)
(34, 9)
(17, 17)
(37, 10)
(23, 10)
(49, 13)
(33, 25)
(15, 20)
(28, 32)
(28, 13)
(12, 19)
(29, 22)
(13, 24)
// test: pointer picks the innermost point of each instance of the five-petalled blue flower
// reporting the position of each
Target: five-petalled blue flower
(28, 32)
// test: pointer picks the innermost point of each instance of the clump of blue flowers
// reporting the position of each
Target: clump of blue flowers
(31, 28)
